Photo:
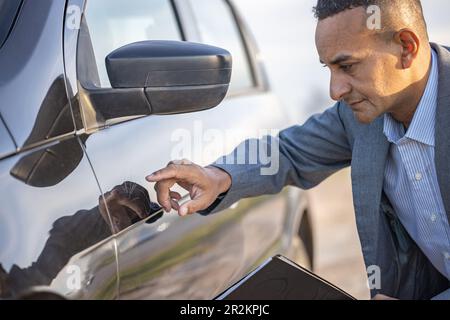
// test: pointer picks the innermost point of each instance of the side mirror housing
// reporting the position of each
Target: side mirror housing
(160, 78)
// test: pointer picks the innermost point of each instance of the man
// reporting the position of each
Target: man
(391, 124)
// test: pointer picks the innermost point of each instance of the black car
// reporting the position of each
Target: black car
(94, 96)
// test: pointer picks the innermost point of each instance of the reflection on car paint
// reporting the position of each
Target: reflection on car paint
(48, 183)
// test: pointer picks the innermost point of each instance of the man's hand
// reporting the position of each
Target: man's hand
(204, 186)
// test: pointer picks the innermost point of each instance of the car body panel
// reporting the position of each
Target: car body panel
(49, 219)
(132, 152)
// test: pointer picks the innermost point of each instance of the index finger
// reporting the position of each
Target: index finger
(172, 171)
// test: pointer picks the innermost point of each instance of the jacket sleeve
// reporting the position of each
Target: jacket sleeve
(301, 156)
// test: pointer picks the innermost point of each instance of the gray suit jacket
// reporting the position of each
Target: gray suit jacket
(333, 140)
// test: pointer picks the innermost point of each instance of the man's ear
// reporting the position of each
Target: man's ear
(410, 44)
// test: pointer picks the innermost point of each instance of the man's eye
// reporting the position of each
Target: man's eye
(346, 67)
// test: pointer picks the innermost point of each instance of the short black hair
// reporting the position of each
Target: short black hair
(329, 8)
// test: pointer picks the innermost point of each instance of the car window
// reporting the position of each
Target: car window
(218, 27)
(8, 12)
(115, 23)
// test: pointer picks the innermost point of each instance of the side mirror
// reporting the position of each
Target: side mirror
(160, 78)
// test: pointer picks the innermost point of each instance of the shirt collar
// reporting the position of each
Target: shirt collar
(422, 128)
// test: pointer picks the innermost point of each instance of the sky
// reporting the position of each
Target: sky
(284, 31)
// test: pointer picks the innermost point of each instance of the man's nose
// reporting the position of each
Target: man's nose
(339, 87)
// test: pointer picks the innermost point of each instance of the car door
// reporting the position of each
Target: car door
(162, 255)
(55, 240)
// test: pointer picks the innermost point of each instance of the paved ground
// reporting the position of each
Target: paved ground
(338, 252)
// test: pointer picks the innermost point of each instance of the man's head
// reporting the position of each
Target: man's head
(378, 54)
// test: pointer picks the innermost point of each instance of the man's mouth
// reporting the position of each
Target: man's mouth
(355, 104)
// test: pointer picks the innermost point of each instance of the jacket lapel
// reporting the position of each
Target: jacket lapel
(369, 159)
(442, 151)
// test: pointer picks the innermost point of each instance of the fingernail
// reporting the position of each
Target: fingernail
(183, 211)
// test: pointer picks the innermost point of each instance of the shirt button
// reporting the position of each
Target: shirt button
(418, 176)
(433, 217)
